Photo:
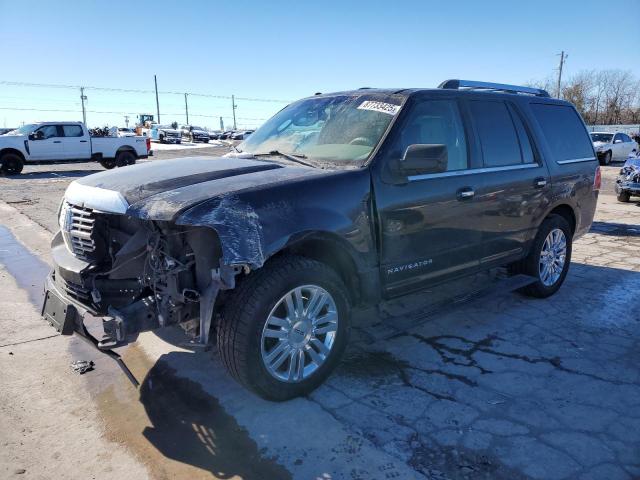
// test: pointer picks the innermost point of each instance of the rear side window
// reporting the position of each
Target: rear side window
(498, 138)
(72, 130)
(564, 131)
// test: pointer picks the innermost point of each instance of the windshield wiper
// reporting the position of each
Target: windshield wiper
(294, 157)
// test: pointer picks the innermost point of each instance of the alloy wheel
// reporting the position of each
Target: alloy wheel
(299, 333)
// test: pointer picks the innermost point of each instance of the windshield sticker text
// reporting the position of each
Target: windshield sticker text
(388, 108)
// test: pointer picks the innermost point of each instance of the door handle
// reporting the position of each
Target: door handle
(465, 193)
(540, 182)
(83, 141)
(57, 141)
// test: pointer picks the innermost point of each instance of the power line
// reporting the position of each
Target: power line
(130, 90)
(121, 112)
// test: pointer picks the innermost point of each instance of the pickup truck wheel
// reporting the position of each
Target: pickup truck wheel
(624, 197)
(549, 258)
(125, 158)
(11, 164)
(108, 163)
(161, 138)
(285, 328)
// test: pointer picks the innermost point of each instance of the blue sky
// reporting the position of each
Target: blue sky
(287, 50)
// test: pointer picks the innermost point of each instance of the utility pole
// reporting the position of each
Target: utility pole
(234, 106)
(186, 107)
(83, 97)
(221, 124)
(126, 120)
(563, 58)
(155, 80)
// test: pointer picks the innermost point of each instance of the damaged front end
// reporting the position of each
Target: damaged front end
(136, 274)
(628, 181)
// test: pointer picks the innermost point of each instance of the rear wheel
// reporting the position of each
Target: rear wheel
(125, 158)
(108, 163)
(285, 328)
(549, 258)
(11, 164)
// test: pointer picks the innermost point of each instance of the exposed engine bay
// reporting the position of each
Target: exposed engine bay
(628, 181)
(140, 274)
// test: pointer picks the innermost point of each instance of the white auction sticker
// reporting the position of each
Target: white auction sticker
(382, 107)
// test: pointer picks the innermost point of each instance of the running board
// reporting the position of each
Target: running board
(405, 321)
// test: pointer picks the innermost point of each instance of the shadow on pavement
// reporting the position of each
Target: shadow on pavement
(53, 174)
(615, 229)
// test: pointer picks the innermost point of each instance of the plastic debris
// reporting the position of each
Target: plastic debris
(82, 366)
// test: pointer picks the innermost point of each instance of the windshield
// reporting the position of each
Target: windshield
(197, 128)
(601, 137)
(25, 129)
(342, 129)
(165, 127)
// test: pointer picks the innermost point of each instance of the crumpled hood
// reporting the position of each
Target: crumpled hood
(160, 190)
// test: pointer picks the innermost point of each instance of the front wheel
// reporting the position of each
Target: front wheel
(606, 160)
(624, 197)
(285, 328)
(11, 164)
(549, 258)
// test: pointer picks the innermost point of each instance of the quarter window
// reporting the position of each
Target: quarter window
(72, 130)
(497, 132)
(435, 122)
(564, 131)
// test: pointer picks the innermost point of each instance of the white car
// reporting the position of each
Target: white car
(612, 146)
(125, 132)
(49, 142)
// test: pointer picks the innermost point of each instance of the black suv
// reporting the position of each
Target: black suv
(340, 200)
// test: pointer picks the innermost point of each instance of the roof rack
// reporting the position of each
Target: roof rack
(498, 87)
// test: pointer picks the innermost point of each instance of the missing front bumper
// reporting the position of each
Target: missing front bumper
(67, 317)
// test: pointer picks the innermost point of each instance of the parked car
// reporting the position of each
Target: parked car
(125, 132)
(241, 135)
(194, 134)
(165, 134)
(628, 181)
(340, 200)
(215, 135)
(6, 130)
(226, 134)
(612, 146)
(49, 142)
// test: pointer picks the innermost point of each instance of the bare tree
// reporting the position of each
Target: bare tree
(601, 97)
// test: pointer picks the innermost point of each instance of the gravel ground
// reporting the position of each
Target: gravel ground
(501, 387)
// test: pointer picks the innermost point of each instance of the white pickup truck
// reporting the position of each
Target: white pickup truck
(53, 142)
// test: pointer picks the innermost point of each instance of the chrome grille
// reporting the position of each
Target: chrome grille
(77, 291)
(77, 226)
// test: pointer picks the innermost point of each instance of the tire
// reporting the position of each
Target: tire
(108, 163)
(531, 264)
(11, 164)
(161, 138)
(624, 197)
(606, 160)
(241, 332)
(125, 158)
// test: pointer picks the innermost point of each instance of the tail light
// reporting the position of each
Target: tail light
(597, 179)
(148, 144)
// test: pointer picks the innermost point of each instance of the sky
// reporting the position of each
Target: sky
(279, 51)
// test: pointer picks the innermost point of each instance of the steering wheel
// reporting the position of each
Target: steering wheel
(362, 141)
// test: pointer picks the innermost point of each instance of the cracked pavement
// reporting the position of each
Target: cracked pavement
(443, 384)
